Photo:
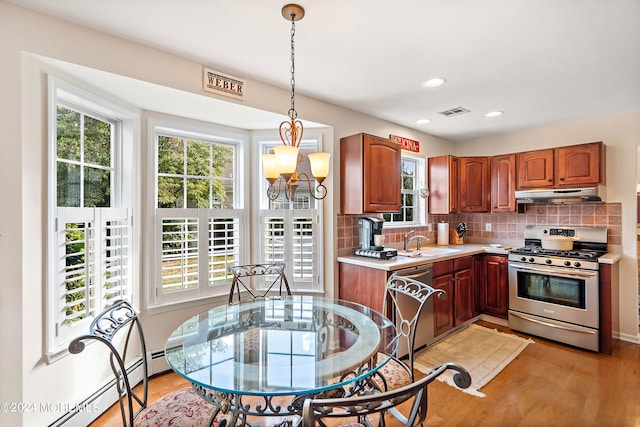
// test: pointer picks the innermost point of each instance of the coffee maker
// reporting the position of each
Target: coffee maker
(369, 228)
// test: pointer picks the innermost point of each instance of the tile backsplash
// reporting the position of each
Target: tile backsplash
(504, 226)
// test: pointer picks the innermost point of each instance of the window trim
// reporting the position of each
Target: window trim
(182, 127)
(125, 195)
(262, 139)
(421, 206)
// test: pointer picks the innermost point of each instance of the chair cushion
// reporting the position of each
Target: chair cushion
(395, 373)
(182, 408)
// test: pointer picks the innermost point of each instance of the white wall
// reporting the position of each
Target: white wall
(25, 376)
(621, 135)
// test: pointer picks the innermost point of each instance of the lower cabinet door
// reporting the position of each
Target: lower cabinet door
(463, 296)
(443, 308)
(495, 289)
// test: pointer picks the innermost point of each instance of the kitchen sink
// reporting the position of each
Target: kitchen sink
(438, 251)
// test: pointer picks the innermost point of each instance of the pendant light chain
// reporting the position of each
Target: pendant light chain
(292, 112)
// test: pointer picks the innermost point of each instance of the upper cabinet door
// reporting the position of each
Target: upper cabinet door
(382, 175)
(370, 169)
(580, 165)
(475, 188)
(535, 169)
(443, 184)
(503, 183)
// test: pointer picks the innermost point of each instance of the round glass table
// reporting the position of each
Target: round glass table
(265, 357)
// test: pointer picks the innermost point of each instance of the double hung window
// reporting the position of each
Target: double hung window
(290, 227)
(90, 217)
(199, 226)
(413, 205)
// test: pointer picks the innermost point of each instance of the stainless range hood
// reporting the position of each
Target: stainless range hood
(562, 195)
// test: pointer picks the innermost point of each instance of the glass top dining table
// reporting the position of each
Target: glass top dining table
(245, 357)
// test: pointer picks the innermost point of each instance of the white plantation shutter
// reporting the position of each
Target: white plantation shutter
(196, 247)
(93, 268)
(290, 236)
(117, 255)
(303, 245)
(224, 245)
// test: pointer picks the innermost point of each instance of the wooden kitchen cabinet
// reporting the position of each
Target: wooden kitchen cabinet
(570, 166)
(362, 285)
(503, 183)
(463, 290)
(535, 169)
(443, 184)
(370, 179)
(475, 185)
(456, 278)
(579, 165)
(443, 308)
(494, 287)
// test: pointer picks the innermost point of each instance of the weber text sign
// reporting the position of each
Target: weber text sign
(223, 84)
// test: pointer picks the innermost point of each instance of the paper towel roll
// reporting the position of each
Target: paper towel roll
(443, 233)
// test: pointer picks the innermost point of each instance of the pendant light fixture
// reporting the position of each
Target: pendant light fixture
(280, 168)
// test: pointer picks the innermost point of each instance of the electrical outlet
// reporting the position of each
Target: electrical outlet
(487, 226)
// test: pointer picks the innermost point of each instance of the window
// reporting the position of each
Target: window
(290, 230)
(413, 205)
(199, 225)
(90, 253)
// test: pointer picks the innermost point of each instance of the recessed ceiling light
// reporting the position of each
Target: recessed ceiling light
(423, 121)
(433, 82)
(494, 114)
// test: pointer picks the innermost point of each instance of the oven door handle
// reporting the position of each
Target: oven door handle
(551, 325)
(573, 274)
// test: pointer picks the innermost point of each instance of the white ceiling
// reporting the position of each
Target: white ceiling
(540, 61)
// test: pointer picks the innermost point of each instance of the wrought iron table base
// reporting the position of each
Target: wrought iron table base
(236, 408)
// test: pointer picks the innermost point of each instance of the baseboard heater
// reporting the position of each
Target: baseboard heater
(103, 398)
(107, 395)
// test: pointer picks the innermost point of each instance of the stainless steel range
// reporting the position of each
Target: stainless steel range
(555, 293)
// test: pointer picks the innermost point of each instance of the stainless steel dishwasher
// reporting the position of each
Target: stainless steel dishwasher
(424, 330)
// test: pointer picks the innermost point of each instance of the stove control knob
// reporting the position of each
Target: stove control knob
(548, 261)
(531, 259)
(576, 264)
(523, 259)
(567, 263)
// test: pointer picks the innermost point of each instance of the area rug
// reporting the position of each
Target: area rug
(483, 352)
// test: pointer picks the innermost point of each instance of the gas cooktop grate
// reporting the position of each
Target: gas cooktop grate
(578, 254)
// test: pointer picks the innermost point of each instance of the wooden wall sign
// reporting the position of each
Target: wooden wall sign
(406, 143)
(223, 84)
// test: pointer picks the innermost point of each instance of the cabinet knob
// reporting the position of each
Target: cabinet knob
(561, 179)
(550, 180)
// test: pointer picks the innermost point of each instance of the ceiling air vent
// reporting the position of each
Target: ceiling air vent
(454, 112)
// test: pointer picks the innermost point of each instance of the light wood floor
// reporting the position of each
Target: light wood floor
(549, 384)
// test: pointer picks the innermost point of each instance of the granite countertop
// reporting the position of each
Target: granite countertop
(429, 254)
(434, 253)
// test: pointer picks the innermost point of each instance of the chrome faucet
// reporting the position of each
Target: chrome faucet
(406, 240)
(418, 238)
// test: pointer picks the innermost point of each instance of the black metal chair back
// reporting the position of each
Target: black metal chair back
(105, 327)
(406, 315)
(273, 275)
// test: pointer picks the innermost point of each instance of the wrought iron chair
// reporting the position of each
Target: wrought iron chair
(395, 373)
(180, 408)
(364, 406)
(273, 275)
